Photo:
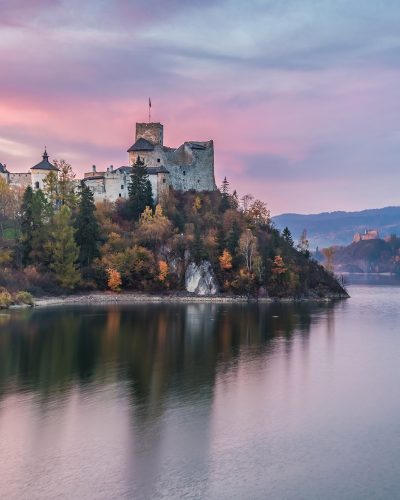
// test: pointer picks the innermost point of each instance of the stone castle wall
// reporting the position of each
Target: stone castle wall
(193, 167)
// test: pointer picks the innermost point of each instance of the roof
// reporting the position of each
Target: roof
(45, 164)
(142, 145)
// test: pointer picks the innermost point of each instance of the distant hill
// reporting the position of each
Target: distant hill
(338, 228)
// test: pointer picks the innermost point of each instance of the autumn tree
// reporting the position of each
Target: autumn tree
(154, 227)
(87, 227)
(114, 280)
(329, 254)
(258, 213)
(248, 247)
(162, 270)
(50, 189)
(66, 184)
(139, 190)
(225, 260)
(65, 251)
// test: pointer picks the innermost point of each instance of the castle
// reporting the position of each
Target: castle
(368, 234)
(190, 166)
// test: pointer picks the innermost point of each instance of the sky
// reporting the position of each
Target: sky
(301, 97)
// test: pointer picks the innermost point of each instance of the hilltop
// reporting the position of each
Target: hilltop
(199, 243)
(338, 228)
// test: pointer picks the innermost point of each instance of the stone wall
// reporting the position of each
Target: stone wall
(20, 179)
(193, 167)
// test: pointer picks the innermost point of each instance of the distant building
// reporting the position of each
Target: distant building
(368, 234)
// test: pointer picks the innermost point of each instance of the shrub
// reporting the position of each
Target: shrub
(24, 298)
(5, 299)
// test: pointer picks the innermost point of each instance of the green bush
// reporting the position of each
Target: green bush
(5, 299)
(24, 298)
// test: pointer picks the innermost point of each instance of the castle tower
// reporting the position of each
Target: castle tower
(152, 132)
(41, 170)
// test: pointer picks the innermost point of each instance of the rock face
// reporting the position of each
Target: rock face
(200, 279)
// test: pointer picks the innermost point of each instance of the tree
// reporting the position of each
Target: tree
(87, 227)
(114, 281)
(329, 254)
(10, 202)
(287, 236)
(66, 184)
(225, 260)
(154, 228)
(258, 213)
(65, 251)
(50, 190)
(162, 270)
(232, 241)
(225, 204)
(27, 224)
(34, 232)
(246, 201)
(248, 247)
(278, 267)
(303, 244)
(139, 190)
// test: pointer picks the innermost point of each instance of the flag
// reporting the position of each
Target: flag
(149, 102)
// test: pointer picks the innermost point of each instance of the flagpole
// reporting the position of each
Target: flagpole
(149, 108)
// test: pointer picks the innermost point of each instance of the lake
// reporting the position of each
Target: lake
(281, 401)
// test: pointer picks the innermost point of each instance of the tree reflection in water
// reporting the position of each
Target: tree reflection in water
(154, 348)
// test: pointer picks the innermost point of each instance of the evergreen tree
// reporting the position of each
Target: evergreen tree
(139, 189)
(232, 241)
(27, 225)
(41, 224)
(34, 232)
(65, 251)
(225, 204)
(87, 227)
(287, 236)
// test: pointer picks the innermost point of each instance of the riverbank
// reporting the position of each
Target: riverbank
(99, 298)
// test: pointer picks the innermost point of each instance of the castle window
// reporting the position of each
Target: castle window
(37, 185)
(198, 181)
(158, 160)
(163, 181)
(119, 195)
(122, 186)
(184, 172)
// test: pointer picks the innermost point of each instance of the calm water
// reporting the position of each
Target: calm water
(203, 401)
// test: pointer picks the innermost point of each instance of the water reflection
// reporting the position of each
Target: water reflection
(144, 400)
(154, 348)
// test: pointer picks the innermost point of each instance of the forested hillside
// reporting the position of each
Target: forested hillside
(58, 241)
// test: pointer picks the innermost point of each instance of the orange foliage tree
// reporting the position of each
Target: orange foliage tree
(114, 279)
(225, 260)
(163, 270)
